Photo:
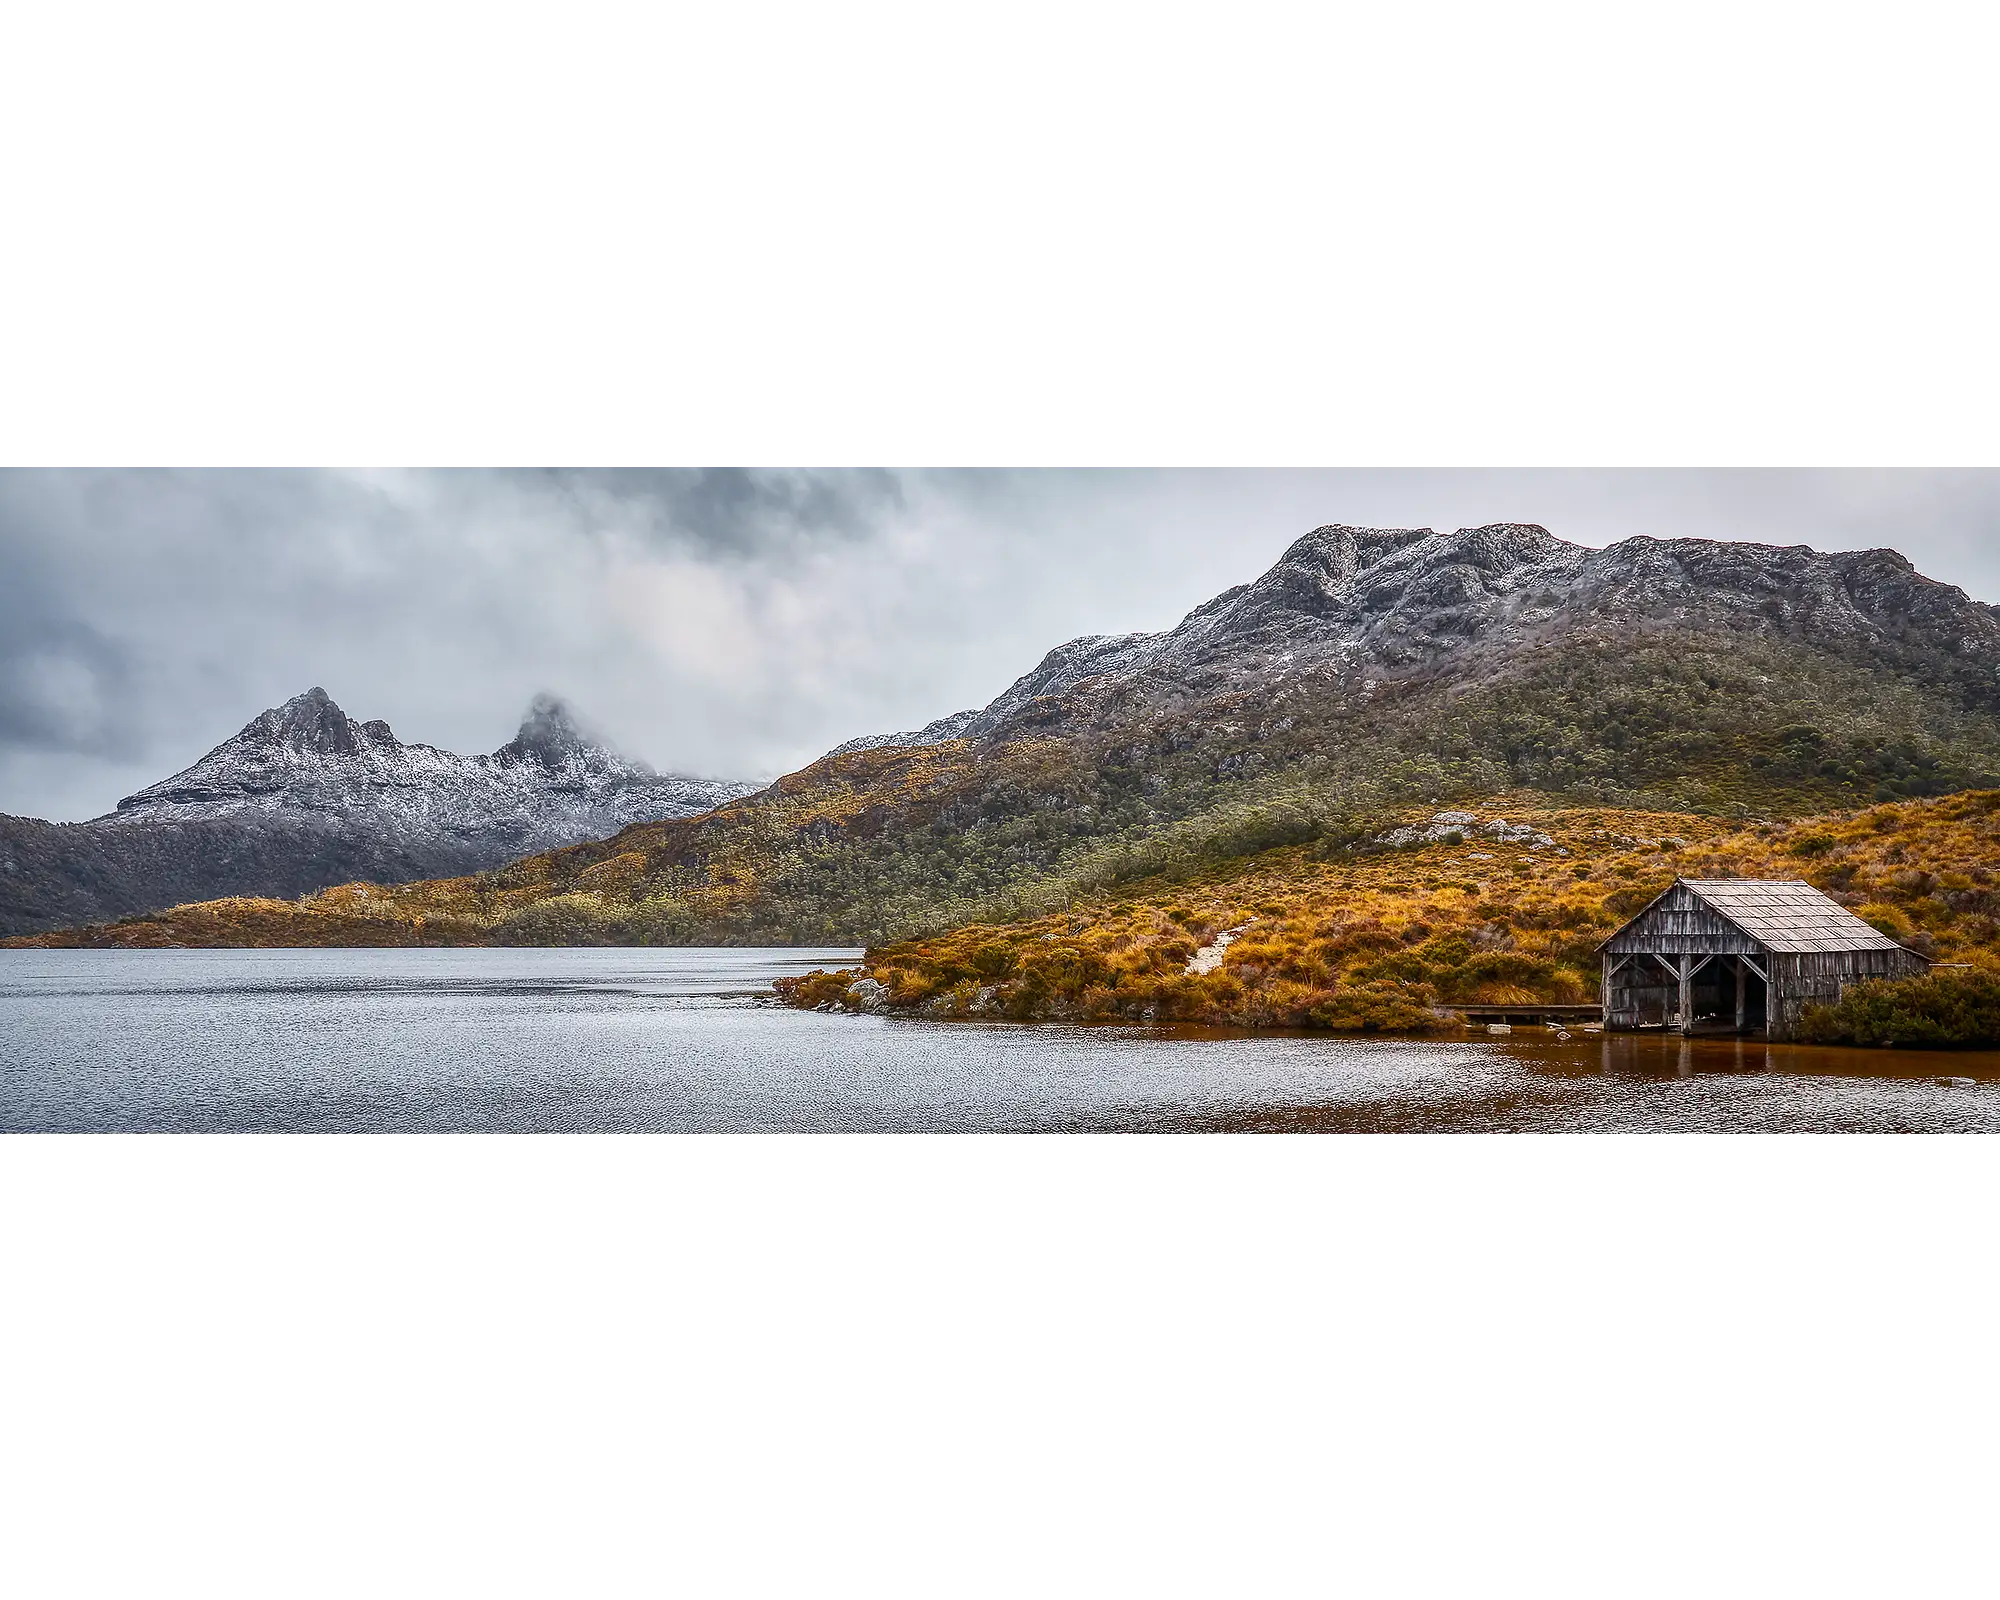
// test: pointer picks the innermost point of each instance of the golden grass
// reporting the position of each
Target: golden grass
(1380, 940)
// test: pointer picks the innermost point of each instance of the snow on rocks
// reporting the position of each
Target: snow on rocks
(308, 762)
(305, 796)
(1369, 608)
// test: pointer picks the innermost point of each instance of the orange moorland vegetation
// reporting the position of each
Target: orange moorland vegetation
(241, 922)
(1377, 940)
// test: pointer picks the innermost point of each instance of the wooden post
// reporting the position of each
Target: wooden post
(1687, 994)
(1607, 988)
(1742, 996)
(1763, 975)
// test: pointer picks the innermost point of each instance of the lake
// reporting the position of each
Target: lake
(675, 1041)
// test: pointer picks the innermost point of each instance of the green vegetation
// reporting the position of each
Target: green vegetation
(1953, 1008)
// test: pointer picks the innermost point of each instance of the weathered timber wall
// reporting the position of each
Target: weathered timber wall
(1641, 993)
(1798, 981)
(1681, 925)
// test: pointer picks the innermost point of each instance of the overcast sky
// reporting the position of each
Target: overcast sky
(729, 623)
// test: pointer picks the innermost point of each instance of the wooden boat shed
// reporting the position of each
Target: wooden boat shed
(1743, 955)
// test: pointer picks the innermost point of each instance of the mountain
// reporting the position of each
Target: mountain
(1347, 610)
(307, 760)
(1369, 671)
(305, 796)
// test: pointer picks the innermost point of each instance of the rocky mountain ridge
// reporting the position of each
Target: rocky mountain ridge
(305, 796)
(1352, 608)
(308, 756)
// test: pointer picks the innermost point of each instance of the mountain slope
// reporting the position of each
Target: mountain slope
(305, 796)
(1346, 611)
(1368, 670)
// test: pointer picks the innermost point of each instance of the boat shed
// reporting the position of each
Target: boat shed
(1742, 955)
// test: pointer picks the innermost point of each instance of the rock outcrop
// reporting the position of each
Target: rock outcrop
(1459, 826)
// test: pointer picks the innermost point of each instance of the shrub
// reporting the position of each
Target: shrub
(1953, 1008)
(1381, 1008)
(578, 918)
(1623, 903)
(1886, 919)
(992, 960)
(812, 989)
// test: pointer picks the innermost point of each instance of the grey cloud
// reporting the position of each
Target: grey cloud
(63, 685)
(733, 513)
(732, 623)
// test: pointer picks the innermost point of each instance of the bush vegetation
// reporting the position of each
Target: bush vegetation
(1374, 940)
(1953, 1008)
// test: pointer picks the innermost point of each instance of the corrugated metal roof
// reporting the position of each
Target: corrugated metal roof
(1788, 915)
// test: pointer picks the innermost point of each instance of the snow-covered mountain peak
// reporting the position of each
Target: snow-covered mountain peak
(312, 722)
(307, 763)
(553, 737)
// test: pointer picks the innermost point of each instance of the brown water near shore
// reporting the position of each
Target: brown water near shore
(1669, 1055)
(1658, 1054)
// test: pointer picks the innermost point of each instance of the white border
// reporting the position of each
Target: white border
(992, 1366)
(1547, 234)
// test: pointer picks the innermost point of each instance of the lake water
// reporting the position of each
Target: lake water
(597, 1041)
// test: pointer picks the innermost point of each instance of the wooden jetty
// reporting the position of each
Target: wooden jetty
(1528, 1013)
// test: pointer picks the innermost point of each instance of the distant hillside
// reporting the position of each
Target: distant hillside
(1369, 670)
(305, 797)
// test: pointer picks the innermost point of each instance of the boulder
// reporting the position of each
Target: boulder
(867, 994)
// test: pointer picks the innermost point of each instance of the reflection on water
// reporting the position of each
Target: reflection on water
(664, 1041)
(1656, 1054)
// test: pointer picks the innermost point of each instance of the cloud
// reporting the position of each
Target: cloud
(727, 513)
(734, 622)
